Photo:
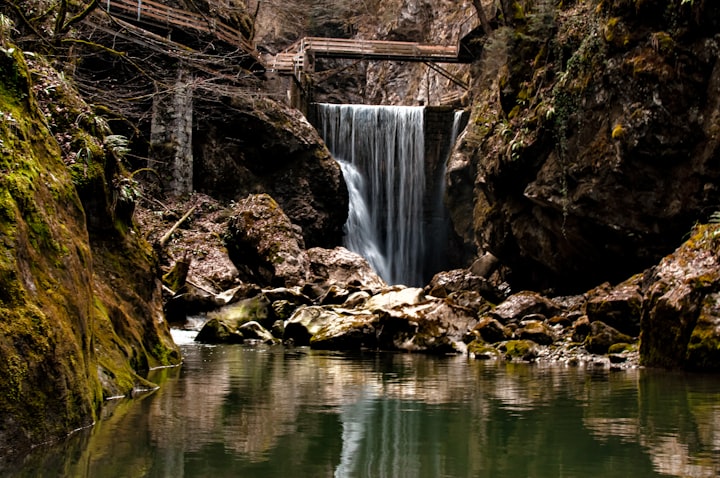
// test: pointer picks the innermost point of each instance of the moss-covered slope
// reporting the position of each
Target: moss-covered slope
(79, 305)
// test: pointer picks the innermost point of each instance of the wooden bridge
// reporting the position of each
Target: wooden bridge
(295, 59)
(156, 16)
(300, 57)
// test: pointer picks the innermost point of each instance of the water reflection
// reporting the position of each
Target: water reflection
(237, 411)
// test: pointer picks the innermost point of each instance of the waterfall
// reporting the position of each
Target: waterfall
(381, 152)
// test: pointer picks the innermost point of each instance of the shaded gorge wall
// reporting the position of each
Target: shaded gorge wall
(394, 161)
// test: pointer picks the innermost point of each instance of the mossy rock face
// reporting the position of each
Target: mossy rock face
(703, 351)
(78, 318)
(679, 310)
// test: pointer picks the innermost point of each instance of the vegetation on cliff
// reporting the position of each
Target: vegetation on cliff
(80, 305)
(593, 142)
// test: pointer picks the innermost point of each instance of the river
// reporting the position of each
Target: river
(276, 412)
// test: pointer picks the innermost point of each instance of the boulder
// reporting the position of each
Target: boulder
(215, 331)
(254, 331)
(330, 328)
(253, 309)
(396, 297)
(490, 330)
(581, 329)
(252, 143)
(620, 307)
(446, 282)
(525, 350)
(261, 237)
(342, 268)
(516, 307)
(536, 331)
(602, 337)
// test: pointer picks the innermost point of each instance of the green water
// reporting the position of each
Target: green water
(234, 411)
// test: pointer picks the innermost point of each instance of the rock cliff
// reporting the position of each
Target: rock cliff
(593, 141)
(80, 303)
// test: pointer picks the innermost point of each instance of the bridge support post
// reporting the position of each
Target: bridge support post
(171, 135)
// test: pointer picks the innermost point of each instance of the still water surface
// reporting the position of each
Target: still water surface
(235, 411)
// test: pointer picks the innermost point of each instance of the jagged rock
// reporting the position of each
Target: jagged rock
(291, 294)
(262, 237)
(446, 282)
(341, 267)
(586, 189)
(492, 331)
(346, 330)
(334, 295)
(258, 144)
(470, 300)
(620, 307)
(536, 331)
(356, 300)
(679, 305)
(516, 307)
(602, 336)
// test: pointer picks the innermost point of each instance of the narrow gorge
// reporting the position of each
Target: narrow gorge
(510, 182)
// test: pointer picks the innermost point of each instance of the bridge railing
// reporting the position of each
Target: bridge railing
(154, 12)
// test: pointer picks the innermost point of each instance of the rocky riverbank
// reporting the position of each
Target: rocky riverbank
(331, 299)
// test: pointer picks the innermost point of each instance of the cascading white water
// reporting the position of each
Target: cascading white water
(381, 151)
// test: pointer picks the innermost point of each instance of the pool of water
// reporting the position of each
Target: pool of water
(274, 412)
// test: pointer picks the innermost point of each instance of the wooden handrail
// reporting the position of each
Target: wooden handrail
(180, 18)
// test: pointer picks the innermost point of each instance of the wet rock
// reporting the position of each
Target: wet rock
(292, 295)
(356, 300)
(525, 350)
(261, 237)
(253, 309)
(620, 307)
(516, 307)
(482, 351)
(334, 295)
(536, 331)
(602, 336)
(283, 309)
(254, 331)
(330, 328)
(347, 330)
(215, 331)
(492, 331)
(343, 268)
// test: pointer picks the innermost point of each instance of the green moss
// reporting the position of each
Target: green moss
(520, 349)
(620, 348)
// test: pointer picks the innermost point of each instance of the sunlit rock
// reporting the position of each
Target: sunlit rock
(343, 268)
